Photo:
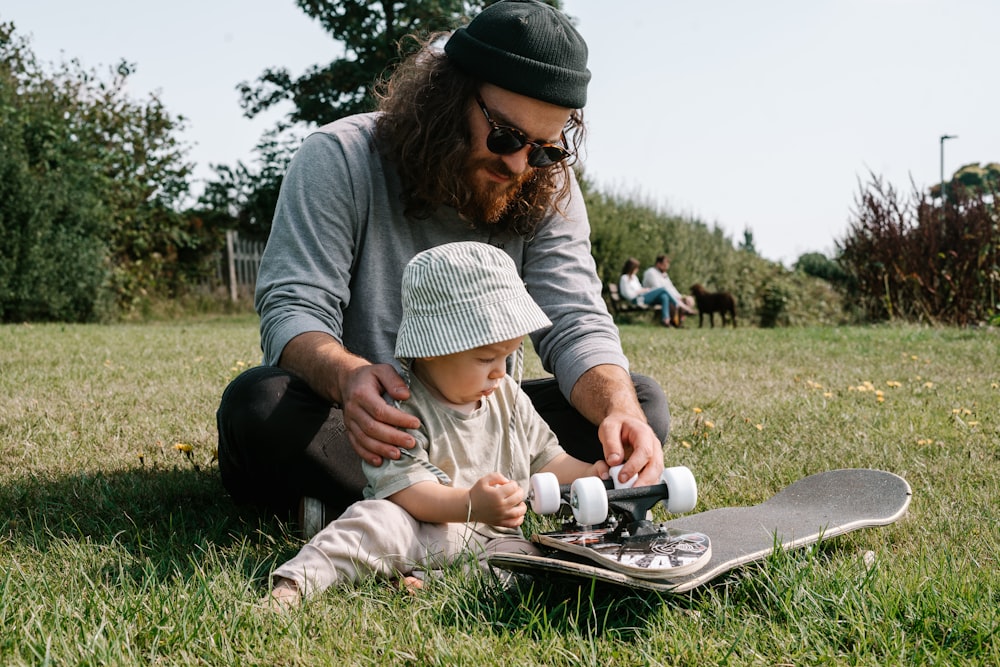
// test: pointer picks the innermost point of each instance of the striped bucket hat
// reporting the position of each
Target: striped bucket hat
(459, 296)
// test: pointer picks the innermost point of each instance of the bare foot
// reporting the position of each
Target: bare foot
(284, 596)
(410, 584)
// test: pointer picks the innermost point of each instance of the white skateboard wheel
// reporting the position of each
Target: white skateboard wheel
(622, 485)
(682, 490)
(544, 493)
(589, 500)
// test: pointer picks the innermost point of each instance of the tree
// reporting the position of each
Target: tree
(747, 244)
(973, 179)
(818, 265)
(372, 34)
(245, 195)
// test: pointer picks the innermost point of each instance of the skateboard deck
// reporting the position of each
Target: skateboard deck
(823, 505)
(661, 555)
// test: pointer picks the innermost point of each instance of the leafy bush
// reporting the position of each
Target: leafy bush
(624, 226)
(924, 260)
(54, 258)
(819, 265)
(90, 185)
(773, 301)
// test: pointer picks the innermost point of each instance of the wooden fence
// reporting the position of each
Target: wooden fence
(242, 261)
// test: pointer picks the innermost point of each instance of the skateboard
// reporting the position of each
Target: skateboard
(821, 506)
(606, 523)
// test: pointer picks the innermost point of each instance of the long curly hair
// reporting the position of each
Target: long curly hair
(424, 130)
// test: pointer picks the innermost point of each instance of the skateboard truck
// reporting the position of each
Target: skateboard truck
(636, 501)
(590, 498)
(631, 506)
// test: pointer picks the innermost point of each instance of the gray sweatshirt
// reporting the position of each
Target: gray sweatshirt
(339, 242)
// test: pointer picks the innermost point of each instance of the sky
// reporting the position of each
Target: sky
(762, 115)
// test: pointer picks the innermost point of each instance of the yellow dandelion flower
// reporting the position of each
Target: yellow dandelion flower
(966, 411)
(973, 423)
(893, 383)
(759, 427)
(685, 444)
(955, 411)
(697, 411)
(709, 424)
(880, 399)
(995, 386)
(928, 385)
(827, 394)
(183, 447)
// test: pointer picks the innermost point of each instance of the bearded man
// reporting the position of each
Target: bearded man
(472, 143)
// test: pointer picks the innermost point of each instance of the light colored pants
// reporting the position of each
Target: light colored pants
(379, 538)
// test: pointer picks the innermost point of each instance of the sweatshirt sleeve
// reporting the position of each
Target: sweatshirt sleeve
(561, 277)
(303, 283)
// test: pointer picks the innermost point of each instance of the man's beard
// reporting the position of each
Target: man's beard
(488, 201)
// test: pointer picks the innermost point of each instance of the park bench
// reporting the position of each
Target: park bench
(621, 306)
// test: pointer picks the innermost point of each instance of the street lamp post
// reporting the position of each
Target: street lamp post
(944, 137)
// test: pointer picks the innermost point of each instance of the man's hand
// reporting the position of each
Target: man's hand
(631, 441)
(606, 396)
(373, 425)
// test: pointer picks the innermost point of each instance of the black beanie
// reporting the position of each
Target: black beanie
(526, 47)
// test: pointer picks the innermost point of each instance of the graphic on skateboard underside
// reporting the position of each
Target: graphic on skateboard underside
(821, 506)
(661, 555)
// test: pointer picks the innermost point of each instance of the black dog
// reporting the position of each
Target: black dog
(710, 303)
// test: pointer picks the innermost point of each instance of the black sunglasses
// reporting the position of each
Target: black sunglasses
(504, 140)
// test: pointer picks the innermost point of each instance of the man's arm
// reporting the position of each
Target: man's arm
(606, 396)
(345, 379)
(303, 287)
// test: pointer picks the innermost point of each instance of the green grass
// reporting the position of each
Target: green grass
(118, 547)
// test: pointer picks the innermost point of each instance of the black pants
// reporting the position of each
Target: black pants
(279, 440)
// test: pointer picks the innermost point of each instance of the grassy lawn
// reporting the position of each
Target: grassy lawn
(118, 544)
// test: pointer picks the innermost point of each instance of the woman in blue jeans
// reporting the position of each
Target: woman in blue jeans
(630, 288)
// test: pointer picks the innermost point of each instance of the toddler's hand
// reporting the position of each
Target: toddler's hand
(497, 501)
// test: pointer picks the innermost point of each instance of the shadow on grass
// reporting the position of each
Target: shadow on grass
(161, 516)
(553, 604)
(544, 606)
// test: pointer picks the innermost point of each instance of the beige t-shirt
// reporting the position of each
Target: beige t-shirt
(504, 434)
